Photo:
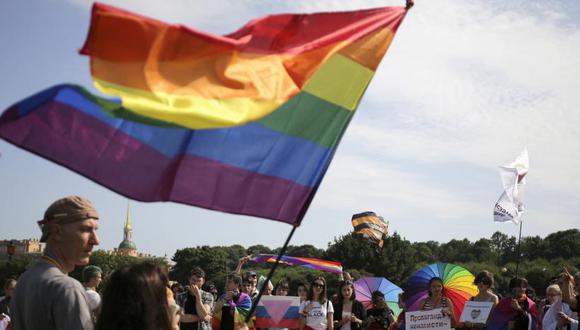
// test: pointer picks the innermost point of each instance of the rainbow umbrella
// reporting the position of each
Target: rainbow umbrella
(457, 285)
(365, 286)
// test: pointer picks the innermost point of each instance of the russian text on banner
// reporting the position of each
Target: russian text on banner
(431, 319)
(510, 205)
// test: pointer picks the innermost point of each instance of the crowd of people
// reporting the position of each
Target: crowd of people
(140, 296)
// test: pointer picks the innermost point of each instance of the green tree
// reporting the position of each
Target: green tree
(215, 261)
(307, 250)
(109, 263)
(258, 249)
(564, 244)
(482, 250)
(14, 268)
(456, 251)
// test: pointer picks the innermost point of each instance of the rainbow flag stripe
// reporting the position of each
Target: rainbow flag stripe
(251, 169)
(319, 264)
(190, 129)
(198, 80)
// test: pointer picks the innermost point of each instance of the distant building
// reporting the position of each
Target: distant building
(127, 246)
(20, 247)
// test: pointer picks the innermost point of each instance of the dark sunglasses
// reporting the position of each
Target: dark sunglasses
(318, 285)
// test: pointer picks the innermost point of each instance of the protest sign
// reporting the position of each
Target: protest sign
(476, 311)
(431, 319)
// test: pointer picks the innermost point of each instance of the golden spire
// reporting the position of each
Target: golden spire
(128, 227)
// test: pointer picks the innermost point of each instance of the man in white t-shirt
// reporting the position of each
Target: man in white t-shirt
(92, 277)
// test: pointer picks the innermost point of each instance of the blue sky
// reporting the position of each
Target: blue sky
(464, 87)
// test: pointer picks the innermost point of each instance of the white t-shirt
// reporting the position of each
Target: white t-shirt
(93, 298)
(346, 326)
(550, 320)
(317, 317)
(4, 322)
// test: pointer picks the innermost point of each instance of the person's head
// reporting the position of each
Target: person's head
(250, 275)
(268, 289)
(282, 288)
(9, 287)
(483, 280)
(249, 283)
(213, 290)
(197, 277)
(135, 297)
(553, 293)
(69, 228)
(302, 291)
(92, 276)
(435, 287)
(233, 282)
(317, 290)
(176, 288)
(401, 301)
(518, 286)
(378, 299)
(346, 291)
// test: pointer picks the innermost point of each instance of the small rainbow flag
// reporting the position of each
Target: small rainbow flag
(239, 308)
(324, 265)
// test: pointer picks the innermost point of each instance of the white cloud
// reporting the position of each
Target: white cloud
(475, 85)
(367, 183)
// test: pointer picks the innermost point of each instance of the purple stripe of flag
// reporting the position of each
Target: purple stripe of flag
(109, 157)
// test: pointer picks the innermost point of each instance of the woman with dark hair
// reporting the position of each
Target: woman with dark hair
(349, 313)
(302, 291)
(484, 282)
(436, 299)
(316, 311)
(516, 311)
(380, 316)
(136, 298)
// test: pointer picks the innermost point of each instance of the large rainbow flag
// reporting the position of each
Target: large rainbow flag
(199, 80)
(245, 123)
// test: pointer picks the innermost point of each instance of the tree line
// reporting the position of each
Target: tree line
(541, 259)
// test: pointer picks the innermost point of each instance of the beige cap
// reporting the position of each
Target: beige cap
(66, 210)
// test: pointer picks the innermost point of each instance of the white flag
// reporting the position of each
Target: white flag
(510, 206)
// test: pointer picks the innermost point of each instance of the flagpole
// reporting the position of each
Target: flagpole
(270, 274)
(519, 246)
